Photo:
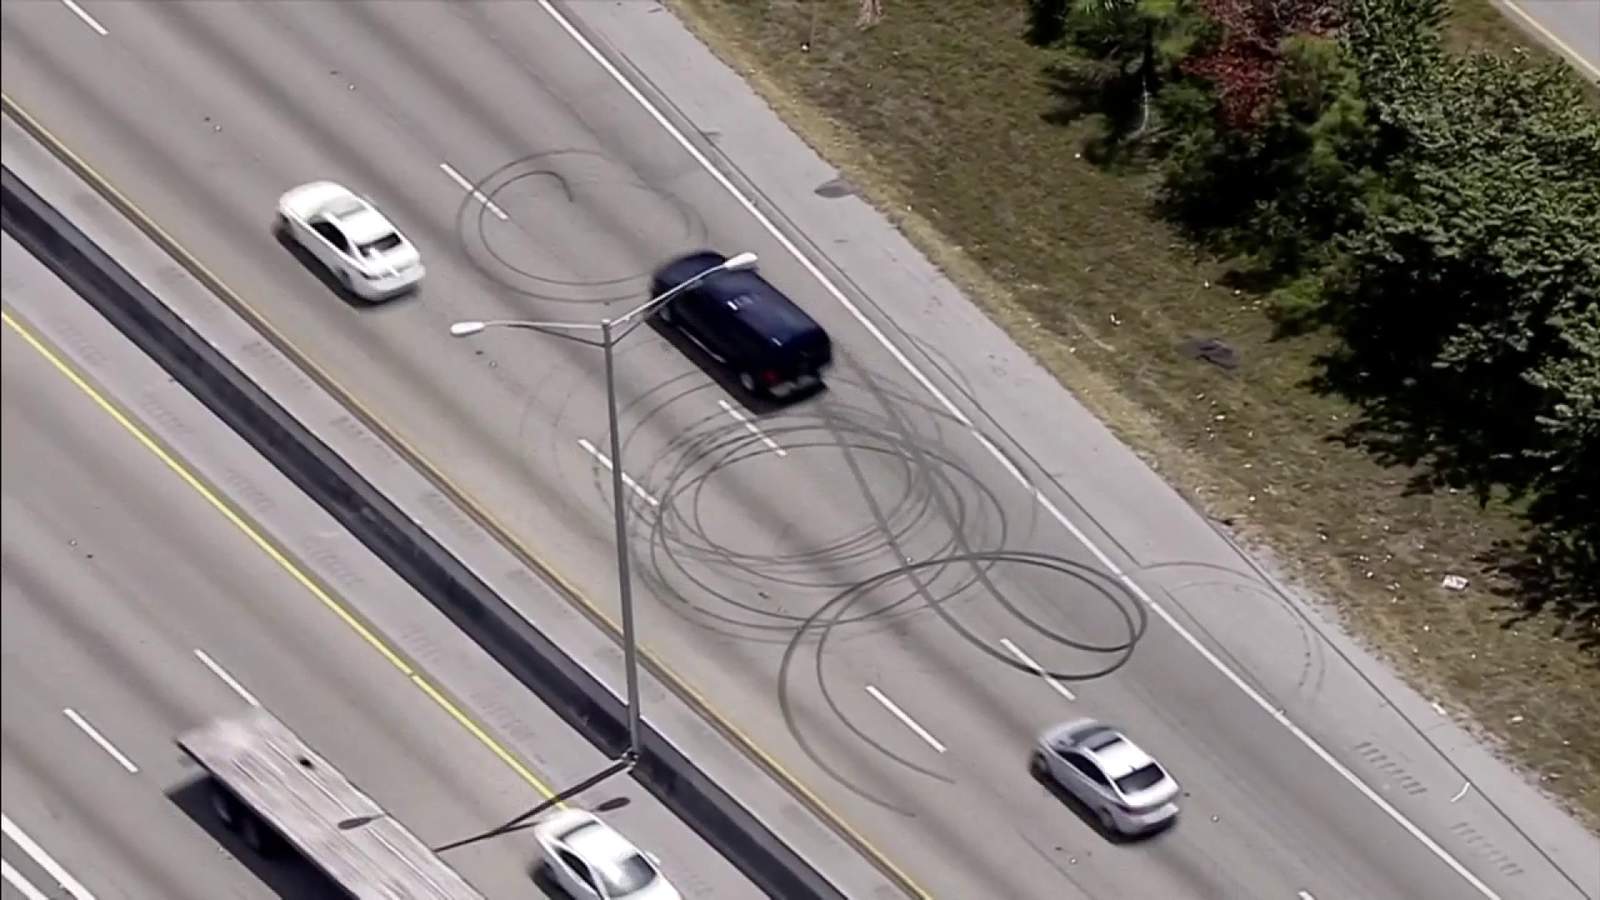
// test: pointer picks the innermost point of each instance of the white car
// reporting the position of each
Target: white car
(1127, 790)
(346, 233)
(591, 861)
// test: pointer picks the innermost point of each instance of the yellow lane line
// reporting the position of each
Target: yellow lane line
(271, 550)
(461, 496)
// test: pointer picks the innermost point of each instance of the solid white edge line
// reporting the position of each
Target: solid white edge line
(98, 738)
(905, 718)
(227, 679)
(1588, 67)
(44, 860)
(627, 479)
(20, 882)
(1037, 669)
(476, 194)
(749, 207)
(752, 427)
(87, 19)
(872, 329)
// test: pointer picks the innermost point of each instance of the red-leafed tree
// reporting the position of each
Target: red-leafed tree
(1246, 56)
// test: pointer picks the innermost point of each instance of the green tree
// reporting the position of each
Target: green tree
(1443, 213)
(1479, 255)
(1124, 50)
(1561, 566)
(1278, 190)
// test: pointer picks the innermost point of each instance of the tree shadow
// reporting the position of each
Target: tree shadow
(1549, 577)
(1252, 279)
(1047, 22)
(1417, 422)
(1293, 303)
(1100, 94)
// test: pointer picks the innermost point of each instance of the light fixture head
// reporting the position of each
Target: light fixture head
(739, 263)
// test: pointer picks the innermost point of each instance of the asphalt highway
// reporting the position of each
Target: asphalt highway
(134, 609)
(798, 566)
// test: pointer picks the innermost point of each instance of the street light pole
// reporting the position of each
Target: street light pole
(619, 506)
(610, 334)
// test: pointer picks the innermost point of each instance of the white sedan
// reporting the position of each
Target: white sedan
(346, 233)
(1127, 790)
(590, 860)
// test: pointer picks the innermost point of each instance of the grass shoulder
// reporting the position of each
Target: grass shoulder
(954, 126)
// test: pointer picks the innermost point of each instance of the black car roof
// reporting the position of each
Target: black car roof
(756, 301)
(760, 304)
(686, 267)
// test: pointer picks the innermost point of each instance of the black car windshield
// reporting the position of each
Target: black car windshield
(1143, 777)
(627, 875)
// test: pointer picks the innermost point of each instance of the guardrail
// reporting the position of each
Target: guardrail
(532, 658)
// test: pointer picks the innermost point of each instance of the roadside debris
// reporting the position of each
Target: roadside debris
(1212, 351)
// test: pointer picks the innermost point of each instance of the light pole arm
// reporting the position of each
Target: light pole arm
(564, 330)
(631, 319)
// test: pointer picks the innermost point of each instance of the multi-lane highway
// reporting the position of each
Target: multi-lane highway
(798, 566)
(136, 608)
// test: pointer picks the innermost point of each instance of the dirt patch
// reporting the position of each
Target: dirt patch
(952, 125)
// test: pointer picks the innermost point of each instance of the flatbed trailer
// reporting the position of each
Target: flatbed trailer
(273, 789)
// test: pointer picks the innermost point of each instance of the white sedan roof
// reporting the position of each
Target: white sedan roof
(1120, 757)
(356, 217)
(363, 223)
(600, 844)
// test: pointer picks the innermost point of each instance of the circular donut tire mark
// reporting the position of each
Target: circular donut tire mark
(472, 219)
(679, 534)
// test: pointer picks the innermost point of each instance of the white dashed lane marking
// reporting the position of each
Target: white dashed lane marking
(627, 479)
(905, 718)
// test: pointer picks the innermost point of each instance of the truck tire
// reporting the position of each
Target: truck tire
(258, 836)
(226, 807)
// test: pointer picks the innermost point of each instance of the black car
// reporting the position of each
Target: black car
(746, 324)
